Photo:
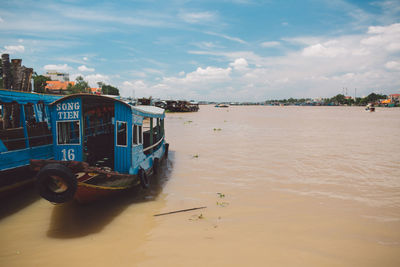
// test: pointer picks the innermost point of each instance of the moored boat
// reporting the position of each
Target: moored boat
(101, 146)
(25, 133)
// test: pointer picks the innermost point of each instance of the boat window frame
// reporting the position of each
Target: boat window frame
(79, 131)
(116, 133)
(139, 135)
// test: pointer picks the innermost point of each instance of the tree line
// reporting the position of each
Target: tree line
(80, 86)
(339, 99)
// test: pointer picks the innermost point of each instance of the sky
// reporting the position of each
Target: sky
(212, 50)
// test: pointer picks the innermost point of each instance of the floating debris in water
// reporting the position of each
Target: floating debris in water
(217, 129)
(187, 122)
(196, 217)
(196, 156)
(221, 195)
(176, 211)
(222, 204)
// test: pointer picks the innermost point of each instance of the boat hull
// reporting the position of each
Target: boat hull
(92, 183)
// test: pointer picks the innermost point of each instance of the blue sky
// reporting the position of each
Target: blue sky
(232, 50)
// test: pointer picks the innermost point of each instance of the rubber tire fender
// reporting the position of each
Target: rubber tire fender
(144, 180)
(59, 170)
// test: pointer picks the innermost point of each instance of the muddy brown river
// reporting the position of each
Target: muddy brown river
(283, 186)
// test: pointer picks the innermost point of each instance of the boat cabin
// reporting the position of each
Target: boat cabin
(25, 134)
(107, 133)
(25, 130)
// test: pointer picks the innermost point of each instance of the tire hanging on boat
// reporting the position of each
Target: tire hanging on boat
(144, 180)
(56, 183)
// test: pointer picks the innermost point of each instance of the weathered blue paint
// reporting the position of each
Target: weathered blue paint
(13, 159)
(138, 120)
(18, 158)
(122, 154)
(67, 110)
(8, 96)
(3, 148)
(128, 158)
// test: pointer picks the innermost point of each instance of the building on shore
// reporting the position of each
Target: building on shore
(96, 91)
(57, 87)
(395, 97)
(57, 76)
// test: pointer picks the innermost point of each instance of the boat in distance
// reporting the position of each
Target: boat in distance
(222, 105)
(101, 146)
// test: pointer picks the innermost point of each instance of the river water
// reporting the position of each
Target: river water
(282, 186)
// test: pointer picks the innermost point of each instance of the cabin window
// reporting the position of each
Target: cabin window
(122, 137)
(137, 135)
(68, 132)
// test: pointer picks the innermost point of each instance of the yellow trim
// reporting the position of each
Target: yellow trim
(102, 187)
(9, 187)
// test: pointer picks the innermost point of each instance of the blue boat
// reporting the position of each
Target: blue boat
(102, 145)
(25, 133)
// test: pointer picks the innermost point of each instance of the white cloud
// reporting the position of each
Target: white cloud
(206, 75)
(393, 65)
(1, 20)
(135, 88)
(85, 69)
(13, 49)
(387, 37)
(329, 49)
(197, 17)
(85, 59)
(270, 44)
(321, 67)
(239, 64)
(93, 79)
(127, 83)
(230, 38)
(60, 68)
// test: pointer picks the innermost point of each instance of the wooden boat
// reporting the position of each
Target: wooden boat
(370, 108)
(101, 146)
(178, 105)
(25, 134)
(222, 105)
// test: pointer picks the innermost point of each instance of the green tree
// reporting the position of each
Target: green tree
(372, 97)
(39, 82)
(338, 99)
(81, 86)
(108, 89)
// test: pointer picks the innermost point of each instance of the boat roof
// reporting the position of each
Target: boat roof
(144, 111)
(8, 96)
(85, 95)
(148, 111)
